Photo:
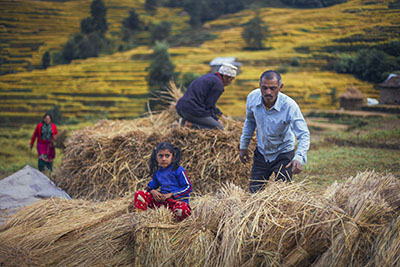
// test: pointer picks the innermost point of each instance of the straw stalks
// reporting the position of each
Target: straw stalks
(110, 159)
(353, 224)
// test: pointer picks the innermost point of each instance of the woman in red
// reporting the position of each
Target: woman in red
(45, 132)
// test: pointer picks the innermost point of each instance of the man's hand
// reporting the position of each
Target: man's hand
(220, 122)
(244, 155)
(296, 166)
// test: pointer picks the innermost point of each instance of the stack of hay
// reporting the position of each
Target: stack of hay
(111, 158)
(354, 224)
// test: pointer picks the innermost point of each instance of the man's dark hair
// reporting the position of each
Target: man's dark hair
(270, 75)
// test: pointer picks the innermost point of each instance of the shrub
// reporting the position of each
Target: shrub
(133, 22)
(312, 3)
(79, 47)
(99, 11)
(368, 64)
(46, 60)
(150, 5)
(295, 62)
(255, 32)
(87, 25)
(188, 78)
(160, 31)
(161, 69)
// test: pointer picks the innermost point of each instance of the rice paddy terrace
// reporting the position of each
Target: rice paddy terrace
(115, 85)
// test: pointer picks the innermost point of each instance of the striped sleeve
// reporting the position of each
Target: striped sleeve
(184, 182)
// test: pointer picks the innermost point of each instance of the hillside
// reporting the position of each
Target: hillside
(115, 86)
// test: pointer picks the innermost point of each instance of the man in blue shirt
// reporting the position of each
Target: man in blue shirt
(198, 104)
(278, 120)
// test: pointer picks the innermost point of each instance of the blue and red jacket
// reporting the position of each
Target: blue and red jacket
(170, 181)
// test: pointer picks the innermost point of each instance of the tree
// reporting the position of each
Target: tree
(99, 11)
(87, 25)
(46, 60)
(255, 32)
(188, 78)
(372, 65)
(161, 69)
(368, 64)
(79, 47)
(150, 5)
(133, 22)
(130, 25)
(312, 3)
(160, 31)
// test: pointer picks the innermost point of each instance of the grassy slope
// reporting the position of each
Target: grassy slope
(115, 86)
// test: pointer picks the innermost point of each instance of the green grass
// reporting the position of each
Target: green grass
(14, 147)
(374, 145)
(329, 163)
(327, 160)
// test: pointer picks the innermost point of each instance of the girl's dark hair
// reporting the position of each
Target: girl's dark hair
(176, 156)
(47, 114)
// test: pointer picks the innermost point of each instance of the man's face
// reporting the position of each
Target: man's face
(269, 91)
(227, 80)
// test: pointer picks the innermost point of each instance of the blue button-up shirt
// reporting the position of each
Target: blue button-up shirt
(276, 127)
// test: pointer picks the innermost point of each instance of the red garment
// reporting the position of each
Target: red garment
(38, 133)
(45, 148)
(144, 200)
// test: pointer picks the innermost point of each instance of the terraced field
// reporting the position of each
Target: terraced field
(115, 86)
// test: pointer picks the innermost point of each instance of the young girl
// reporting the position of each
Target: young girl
(44, 133)
(172, 180)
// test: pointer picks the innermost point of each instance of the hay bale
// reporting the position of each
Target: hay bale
(59, 232)
(111, 158)
(353, 224)
(231, 227)
(386, 250)
(371, 202)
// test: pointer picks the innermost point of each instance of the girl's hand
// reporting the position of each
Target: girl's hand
(157, 195)
(166, 196)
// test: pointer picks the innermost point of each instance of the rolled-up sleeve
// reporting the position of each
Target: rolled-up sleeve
(300, 130)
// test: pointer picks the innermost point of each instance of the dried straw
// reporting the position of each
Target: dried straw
(283, 225)
(371, 202)
(111, 158)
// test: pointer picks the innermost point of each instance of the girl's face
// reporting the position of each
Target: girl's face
(164, 158)
(47, 119)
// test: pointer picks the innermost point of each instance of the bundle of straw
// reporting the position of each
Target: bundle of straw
(111, 158)
(386, 249)
(371, 202)
(283, 225)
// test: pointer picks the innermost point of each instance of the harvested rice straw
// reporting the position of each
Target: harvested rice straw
(371, 202)
(387, 246)
(283, 225)
(106, 167)
(270, 225)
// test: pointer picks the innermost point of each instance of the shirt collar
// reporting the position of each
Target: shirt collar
(278, 104)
